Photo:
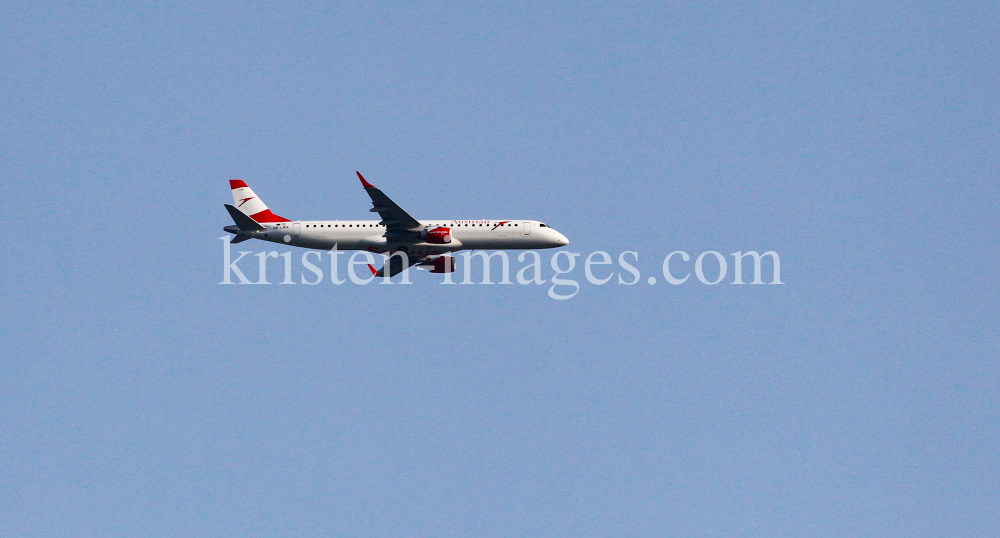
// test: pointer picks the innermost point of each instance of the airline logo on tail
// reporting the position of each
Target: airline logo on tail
(250, 204)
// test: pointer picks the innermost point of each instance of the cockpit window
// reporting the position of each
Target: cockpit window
(542, 225)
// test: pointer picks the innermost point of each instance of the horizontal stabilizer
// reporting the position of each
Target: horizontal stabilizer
(242, 220)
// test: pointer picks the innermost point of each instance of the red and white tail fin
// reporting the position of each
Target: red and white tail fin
(246, 201)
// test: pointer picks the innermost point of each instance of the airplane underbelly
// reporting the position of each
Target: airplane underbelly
(506, 243)
(327, 242)
(478, 244)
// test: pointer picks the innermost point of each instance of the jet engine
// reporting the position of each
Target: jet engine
(437, 236)
(444, 264)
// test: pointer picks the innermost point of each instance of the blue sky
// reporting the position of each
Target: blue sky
(857, 140)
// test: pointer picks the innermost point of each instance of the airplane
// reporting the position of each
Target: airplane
(423, 243)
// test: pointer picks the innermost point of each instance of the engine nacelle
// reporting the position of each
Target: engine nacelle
(437, 236)
(444, 264)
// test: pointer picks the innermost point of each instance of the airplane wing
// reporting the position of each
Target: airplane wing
(395, 265)
(395, 220)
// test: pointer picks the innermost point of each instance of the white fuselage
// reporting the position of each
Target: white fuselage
(369, 235)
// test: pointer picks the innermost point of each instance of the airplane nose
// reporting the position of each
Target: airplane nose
(562, 240)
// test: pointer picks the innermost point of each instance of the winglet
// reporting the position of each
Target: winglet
(374, 272)
(364, 183)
